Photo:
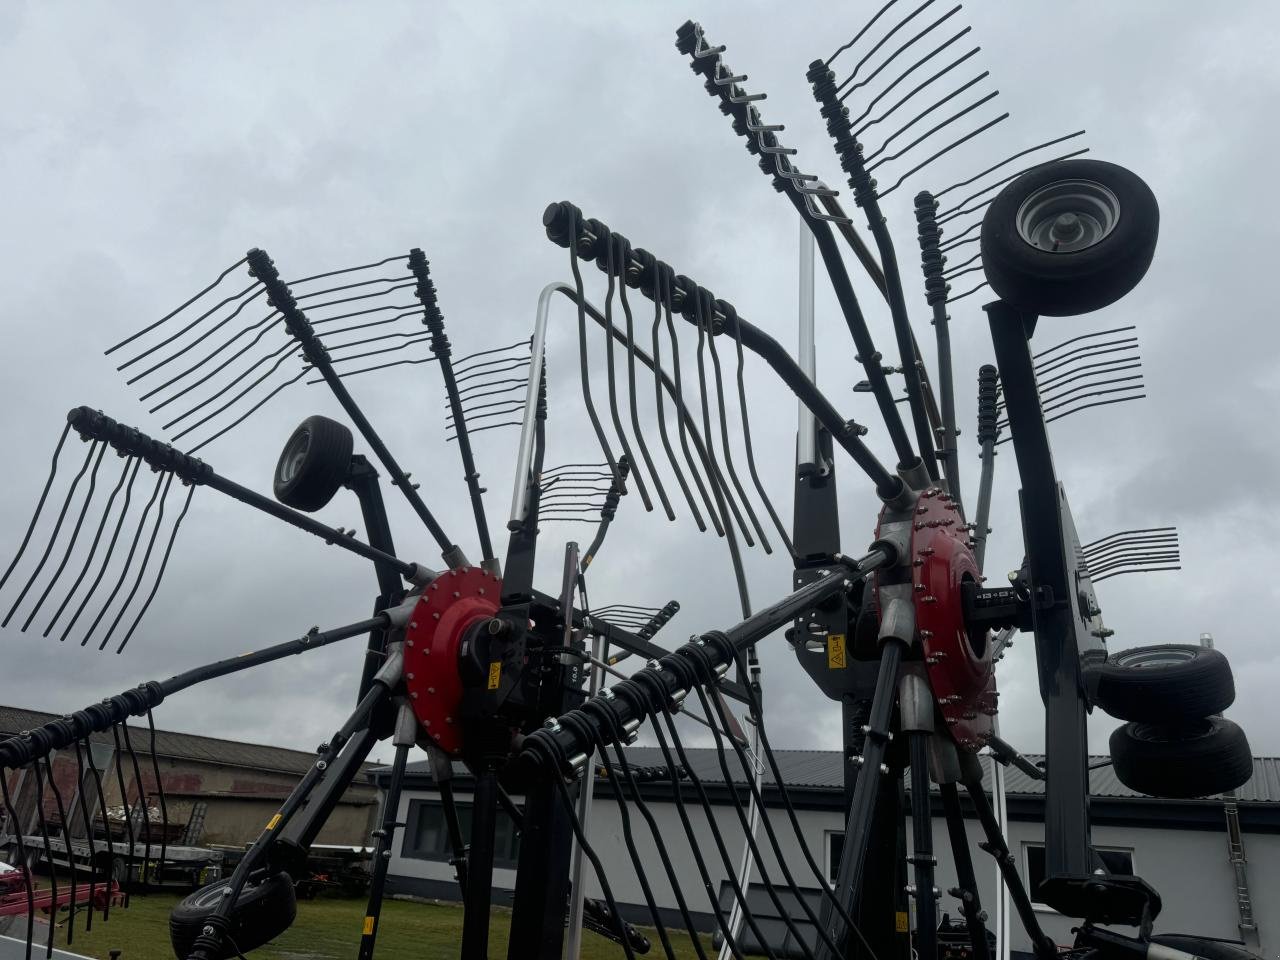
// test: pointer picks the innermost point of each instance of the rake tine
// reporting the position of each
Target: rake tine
(859, 35)
(407, 311)
(956, 241)
(1117, 365)
(931, 131)
(705, 321)
(164, 807)
(945, 150)
(247, 414)
(491, 367)
(128, 819)
(44, 494)
(172, 337)
(706, 424)
(145, 330)
(106, 824)
(189, 346)
(1012, 176)
(1038, 357)
(12, 817)
(1124, 533)
(344, 270)
(967, 293)
(617, 489)
(106, 556)
(1087, 352)
(950, 271)
(48, 854)
(507, 385)
(901, 49)
(279, 355)
(164, 562)
(129, 462)
(872, 103)
(284, 355)
(658, 306)
(526, 343)
(491, 426)
(146, 559)
(384, 350)
(142, 799)
(883, 40)
(631, 396)
(1009, 159)
(1118, 573)
(62, 514)
(355, 299)
(468, 413)
(615, 258)
(1131, 544)
(398, 335)
(381, 366)
(128, 561)
(1054, 397)
(263, 326)
(364, 313)
(66, 839)
(87, 819)
(398, 281)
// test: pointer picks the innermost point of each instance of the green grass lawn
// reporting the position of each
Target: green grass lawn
(325, 930)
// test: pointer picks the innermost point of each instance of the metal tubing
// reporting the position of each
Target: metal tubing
(807, 429)
(922, 857)
(484, 810)
(967, 889)
(386, 831)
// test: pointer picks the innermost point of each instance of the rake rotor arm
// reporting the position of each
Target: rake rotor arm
(129, 441)
(100, 717)
(642, 271)
(299, 327)
(620, 710)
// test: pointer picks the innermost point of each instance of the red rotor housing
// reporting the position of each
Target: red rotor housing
(450, 604)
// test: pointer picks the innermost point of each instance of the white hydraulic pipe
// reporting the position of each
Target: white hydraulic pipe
(573, 936)
(807, 459)
(736, 917)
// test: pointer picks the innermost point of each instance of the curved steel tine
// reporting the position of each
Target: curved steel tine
(35, 517)
(1009, 159)
(185, 348)
(190, 326)
(53, 537)
(1105, 367)
(106, 556)
(960, 273)
(87, 819)
(263, 327)
(1062, 399)
(1084, 336)
(356, 299)
(746, 442)
(1127, 345)
(924, 113)
(173, 313)
(881, 42)
(611, 256)
(871, 104)
(164, 562)
(164, 807)
(724, 429)
(246, 415)
(379, 352)
(398, 281)
(584, 365)
(707, 434)
(956, 241)
(345, 270)
(396, 335)
(279, 355)
(48, 854)
(128, 819)
(634, 405)
(967, 293)
(106, 823)
(407, 312)
(239, 396)
(515, 403)
(411, 310)
(142, 801)
(129, 462)
(505, 386)
(12, 817)
(947, 274)
(380, 366)
(146, 559)
(861, 33)
(490, 367)
(1118, 573)
(932, 130)
(65, 828)
(483, 428)
(959, 207)
(896, 53)
(945, 150)
(1084, 406)
(662, 419)
(128, 561)
(1124, 533)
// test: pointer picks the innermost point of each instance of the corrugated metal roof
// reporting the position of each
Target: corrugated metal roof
(184, 746)
(821, 770)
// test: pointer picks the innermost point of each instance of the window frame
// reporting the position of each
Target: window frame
(414, 812)
(1029, 845)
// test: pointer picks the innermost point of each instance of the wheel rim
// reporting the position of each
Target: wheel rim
(294, 456)
(1067, 216)
(1155, 657)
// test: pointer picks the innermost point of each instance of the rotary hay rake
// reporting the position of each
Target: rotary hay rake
(474, 663)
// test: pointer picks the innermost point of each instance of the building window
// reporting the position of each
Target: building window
(426, 835)
(1117, 860)
(835, 847)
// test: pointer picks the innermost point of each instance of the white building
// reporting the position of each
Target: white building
(1181, 847)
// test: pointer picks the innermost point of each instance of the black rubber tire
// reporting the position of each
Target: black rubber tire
(261, 913)
(1197, 759)
(1061, 284)
(1164, 683)
(314, 464)
(1209, 949)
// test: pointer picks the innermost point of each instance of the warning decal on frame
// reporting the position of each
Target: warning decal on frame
(835, 651)
(900, 921)
(495, 674)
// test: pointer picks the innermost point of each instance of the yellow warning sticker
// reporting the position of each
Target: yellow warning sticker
(271, 824)
(495, 674)
(835, 651)
(368, 926)
(900, 921)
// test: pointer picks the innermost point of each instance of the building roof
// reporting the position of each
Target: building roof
(181, 746)
(821, 770)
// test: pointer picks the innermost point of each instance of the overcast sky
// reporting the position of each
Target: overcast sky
(143, 154)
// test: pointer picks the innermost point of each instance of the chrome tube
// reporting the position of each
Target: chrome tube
(524, 454)
(807, 432)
